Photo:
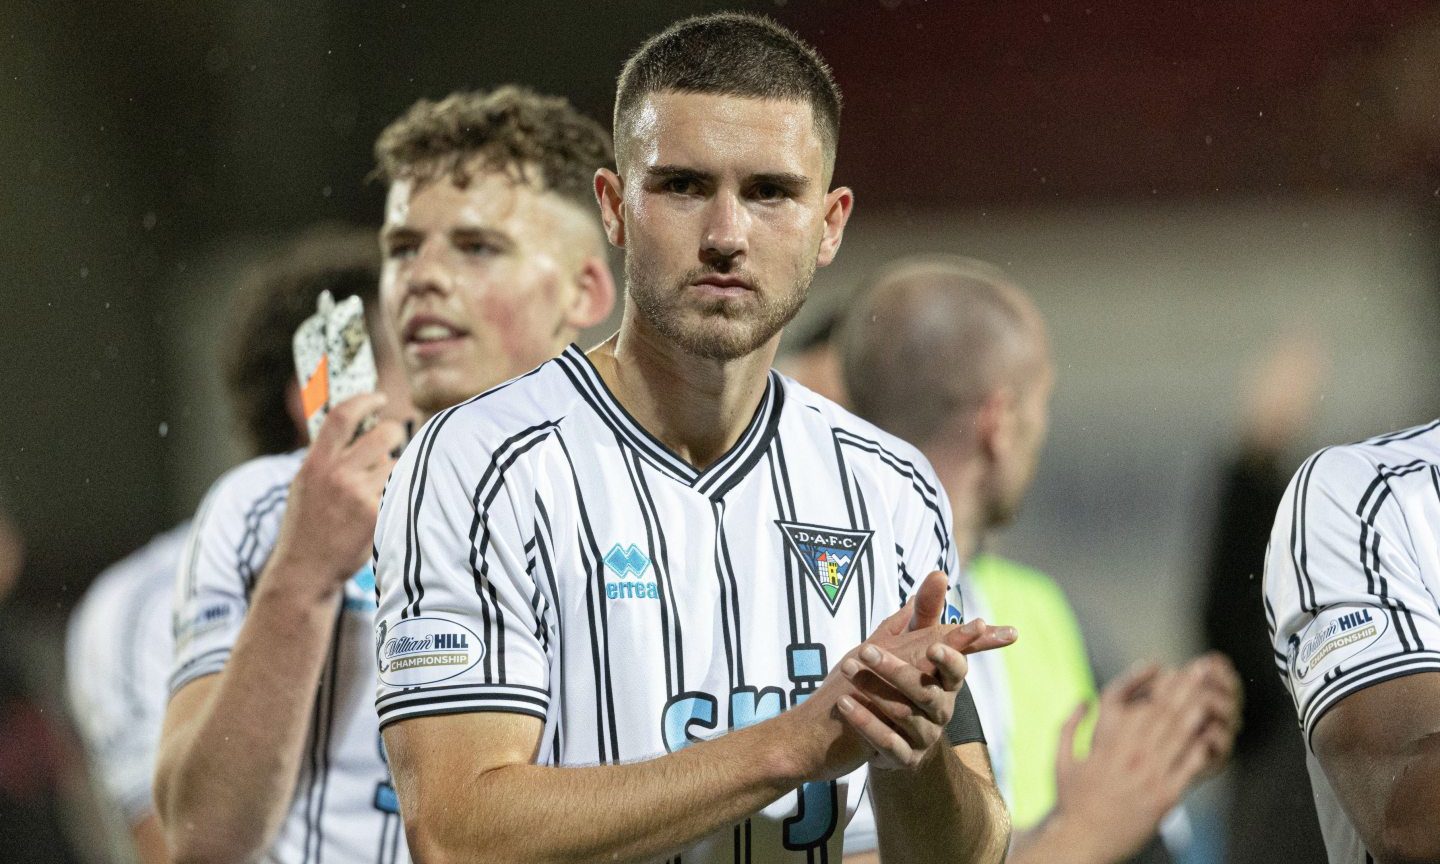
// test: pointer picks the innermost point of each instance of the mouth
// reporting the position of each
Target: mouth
(723, 285)
(427, 334)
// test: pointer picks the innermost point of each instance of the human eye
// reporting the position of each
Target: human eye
(400, 249)
(769, 192)
(682, 185)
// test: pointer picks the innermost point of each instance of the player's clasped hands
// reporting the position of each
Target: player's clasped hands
(329, 521)
(903, 680)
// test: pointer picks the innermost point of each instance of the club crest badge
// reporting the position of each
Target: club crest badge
(829, 556)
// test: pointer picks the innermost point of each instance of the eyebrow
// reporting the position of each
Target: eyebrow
(786, 179)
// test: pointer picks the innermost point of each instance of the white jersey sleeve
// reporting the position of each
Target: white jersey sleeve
(230, 541)
(1345, 595)
(117, 653)
(458, 628)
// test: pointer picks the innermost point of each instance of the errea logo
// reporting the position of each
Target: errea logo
(629, 563)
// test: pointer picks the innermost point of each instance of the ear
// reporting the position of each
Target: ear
(610, 194)
(596, 295)
(838, 204)
(995, 424)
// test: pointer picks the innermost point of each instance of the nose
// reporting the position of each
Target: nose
(727, 229)
(425, 272)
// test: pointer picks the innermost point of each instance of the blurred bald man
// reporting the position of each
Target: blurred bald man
(951, 355)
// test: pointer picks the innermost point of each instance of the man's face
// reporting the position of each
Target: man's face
(725, 218)
(1027, 439)
(477, 281)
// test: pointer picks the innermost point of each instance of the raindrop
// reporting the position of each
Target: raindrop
(84, 272)
(148, 221)
(327, 191)
(164, 428)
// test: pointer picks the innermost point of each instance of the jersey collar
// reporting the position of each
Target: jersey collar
(715, 480)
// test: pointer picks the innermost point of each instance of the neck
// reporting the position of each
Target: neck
(961, 475)
(696, 406)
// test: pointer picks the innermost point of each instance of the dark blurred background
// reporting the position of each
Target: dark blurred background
(1180, 185)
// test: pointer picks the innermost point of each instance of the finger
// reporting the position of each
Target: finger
(1188, 768)
(1133, 683)
(377, 448)
(930, 601)
(975, 635)
(951, 667)
(1179, 715)
(1065, 759)
(918, 692)
(344, 420)
(891, 748)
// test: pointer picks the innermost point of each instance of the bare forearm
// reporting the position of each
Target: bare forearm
(231, 769)
(1408, 829)
(629, 812)
(942, 811)
(1057, 840)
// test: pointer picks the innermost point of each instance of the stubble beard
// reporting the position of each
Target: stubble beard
(719, 329)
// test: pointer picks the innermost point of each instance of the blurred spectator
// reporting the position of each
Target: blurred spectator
(35, 759)
(119, 646)
(953, 356)
(1272, 813)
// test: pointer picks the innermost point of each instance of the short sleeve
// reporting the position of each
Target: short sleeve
(231, 539)
(118, 653)
(1344, 595)
(460, 622)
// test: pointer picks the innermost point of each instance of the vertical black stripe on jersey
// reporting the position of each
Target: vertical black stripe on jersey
(599, 620)
(414, 589)
(726, 570)
(322, 719)
(492, 480)
(420, 474)
(717, 509)
(1298, 552)
(907, 470)
(1372, 566)
(845, 477)
(789, 566)
(248, 547)
(907, 579)
(798, 578)
(670, 634)
(869, 574)
(545, 542)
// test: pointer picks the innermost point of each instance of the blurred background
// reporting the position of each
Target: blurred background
(1204, 198)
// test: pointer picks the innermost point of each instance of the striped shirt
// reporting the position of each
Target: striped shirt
(117, 658)
(540, 553)
(344, 809)
(1351, 581)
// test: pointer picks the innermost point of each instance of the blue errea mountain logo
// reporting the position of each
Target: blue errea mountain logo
(628, 563)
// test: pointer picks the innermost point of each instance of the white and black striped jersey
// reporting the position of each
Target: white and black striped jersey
(344, 809)
(1351, 581)
(117, 659)
(540, 553)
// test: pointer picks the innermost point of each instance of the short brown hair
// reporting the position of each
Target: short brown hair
(730, 54)
(511, 129)
(277, 295)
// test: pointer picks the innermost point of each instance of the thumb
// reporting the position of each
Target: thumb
(929, 601)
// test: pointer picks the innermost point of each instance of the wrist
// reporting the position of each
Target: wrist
(296, 583)
(797, 745)
(1066, 835)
